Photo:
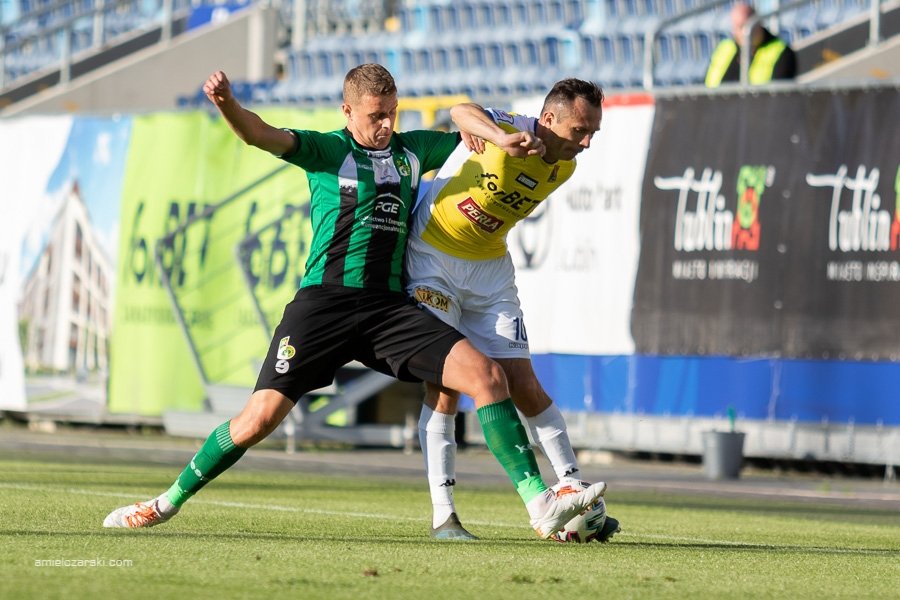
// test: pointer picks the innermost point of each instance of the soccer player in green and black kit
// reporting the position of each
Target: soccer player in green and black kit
(351, 305)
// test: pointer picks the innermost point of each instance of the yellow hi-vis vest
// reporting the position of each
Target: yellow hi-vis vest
(761, 67)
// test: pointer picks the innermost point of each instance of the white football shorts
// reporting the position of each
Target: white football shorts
(477, 297)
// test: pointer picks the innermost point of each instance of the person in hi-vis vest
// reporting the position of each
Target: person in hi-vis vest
(771, 58)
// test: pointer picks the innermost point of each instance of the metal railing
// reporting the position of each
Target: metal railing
(653, 34)
(65, 28)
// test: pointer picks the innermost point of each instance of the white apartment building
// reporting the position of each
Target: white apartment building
(65, 303)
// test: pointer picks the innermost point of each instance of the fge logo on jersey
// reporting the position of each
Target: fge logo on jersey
(387, 205)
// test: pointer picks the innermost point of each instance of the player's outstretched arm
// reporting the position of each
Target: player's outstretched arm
(474, 121)
(247, 125)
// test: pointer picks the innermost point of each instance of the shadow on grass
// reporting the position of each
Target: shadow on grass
(813, 508)
(751, 547)
(102, 481)
(498, 543)
(368, 539)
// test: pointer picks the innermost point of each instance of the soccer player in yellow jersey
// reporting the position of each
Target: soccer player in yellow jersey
(459, 268)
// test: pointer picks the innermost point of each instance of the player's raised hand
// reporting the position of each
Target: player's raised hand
(522, 143)
(246, 124)
(217, 88)
(473, 142)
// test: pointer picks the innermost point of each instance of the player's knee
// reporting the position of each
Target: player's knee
(493, 381)
(528, 392)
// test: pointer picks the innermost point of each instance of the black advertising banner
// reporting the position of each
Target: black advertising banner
(770, 225)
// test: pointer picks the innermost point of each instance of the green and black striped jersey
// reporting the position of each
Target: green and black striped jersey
(360, 203)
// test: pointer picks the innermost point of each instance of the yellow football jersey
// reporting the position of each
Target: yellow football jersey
(476, 199)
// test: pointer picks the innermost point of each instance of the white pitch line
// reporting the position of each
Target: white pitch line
(247, 505)
(315, 511)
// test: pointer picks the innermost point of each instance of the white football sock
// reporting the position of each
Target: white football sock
(437, 436)
(549, 430)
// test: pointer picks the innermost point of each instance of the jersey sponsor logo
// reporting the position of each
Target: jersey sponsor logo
(386, 214)
(514, 200)
(433, 298)
(282, 366)
(470, 209)
(387, 207)
(526, 181)
(384, 201)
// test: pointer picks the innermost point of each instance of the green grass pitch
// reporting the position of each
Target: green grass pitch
(288, 534)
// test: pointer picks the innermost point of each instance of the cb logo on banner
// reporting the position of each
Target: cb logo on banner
(530, 240)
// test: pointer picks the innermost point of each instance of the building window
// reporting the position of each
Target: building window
(79, 242)
(76, 294)
(73, 346)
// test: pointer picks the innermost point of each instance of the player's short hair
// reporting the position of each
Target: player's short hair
(368, 79)
(565, 91)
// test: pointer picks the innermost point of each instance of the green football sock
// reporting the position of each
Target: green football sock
(507, 441)
(216, 455)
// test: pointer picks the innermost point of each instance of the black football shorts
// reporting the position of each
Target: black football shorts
(325, 327)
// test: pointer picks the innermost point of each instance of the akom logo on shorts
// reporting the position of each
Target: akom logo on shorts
(432, 298)
(285, 353)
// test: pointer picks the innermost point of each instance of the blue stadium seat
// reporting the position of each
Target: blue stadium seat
(476, 56)
(564, 51)
(531, 53)
(442, 58)
(665, 49)
(494, 55)
(503, 15)
(519, 13)
(468, 18)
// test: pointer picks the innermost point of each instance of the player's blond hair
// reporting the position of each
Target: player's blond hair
(368, 79)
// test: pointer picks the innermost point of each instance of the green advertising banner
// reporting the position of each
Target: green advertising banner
(212, 242)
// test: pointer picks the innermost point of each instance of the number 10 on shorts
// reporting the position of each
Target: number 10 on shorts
(519, 326)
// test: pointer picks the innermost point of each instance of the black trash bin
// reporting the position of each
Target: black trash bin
(723, 454)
